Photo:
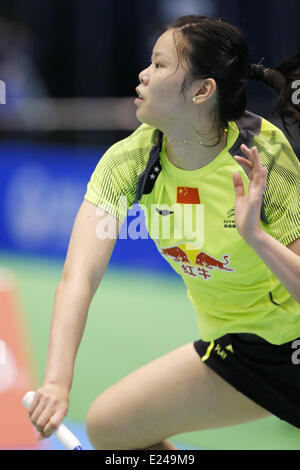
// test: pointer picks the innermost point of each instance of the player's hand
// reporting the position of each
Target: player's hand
(48, 408)
(248, 206)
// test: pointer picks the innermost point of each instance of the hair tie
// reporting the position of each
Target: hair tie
(257, 71)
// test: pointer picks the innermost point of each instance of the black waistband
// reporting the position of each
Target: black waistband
(249, 338)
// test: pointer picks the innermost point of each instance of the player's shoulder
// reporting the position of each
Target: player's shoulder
(136, 146)
(274, 146)
(271, 134)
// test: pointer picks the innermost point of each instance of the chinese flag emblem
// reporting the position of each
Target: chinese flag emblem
(188, 195)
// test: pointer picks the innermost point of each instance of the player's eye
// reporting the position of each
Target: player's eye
(155, 64)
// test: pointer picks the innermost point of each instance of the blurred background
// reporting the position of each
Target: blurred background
(69, 71)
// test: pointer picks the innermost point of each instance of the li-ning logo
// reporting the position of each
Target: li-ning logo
(229, 221)
(163, 212)
(221, 351)
(2, 92)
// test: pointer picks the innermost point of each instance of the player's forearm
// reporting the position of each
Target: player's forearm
(71, 305)
(283, 262)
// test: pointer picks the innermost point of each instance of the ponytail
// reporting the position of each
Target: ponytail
(281, 80)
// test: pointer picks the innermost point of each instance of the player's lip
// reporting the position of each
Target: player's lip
(138, 92)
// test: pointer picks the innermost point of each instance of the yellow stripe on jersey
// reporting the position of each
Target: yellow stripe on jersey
(209, 350)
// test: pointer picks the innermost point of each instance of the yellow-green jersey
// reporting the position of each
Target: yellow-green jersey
(190, 216)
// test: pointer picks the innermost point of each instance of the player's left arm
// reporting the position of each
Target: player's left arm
(283, 261)
(295, 246)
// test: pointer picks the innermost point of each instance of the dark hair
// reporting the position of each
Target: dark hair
(281, 80)
(213, 48)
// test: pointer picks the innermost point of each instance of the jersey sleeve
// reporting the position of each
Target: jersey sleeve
(282, 193)
(112, 185)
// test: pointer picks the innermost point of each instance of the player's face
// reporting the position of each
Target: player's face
(161, 84)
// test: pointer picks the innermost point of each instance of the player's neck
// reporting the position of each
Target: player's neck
(189, 155)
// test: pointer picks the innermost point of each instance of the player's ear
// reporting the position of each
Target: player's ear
(206, 89)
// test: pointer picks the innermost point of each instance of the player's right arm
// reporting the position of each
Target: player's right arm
(86, 261)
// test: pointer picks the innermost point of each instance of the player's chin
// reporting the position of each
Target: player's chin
(143, 114)
(154, 117)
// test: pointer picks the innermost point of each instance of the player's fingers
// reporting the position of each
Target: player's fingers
(246, 150)
(38, 410)
(246, 164)
(238, 184)
(253, 155)
(243, 161)
(260, 178)
(45, 415)
(54, 411)
(53, 423)
(34, 403)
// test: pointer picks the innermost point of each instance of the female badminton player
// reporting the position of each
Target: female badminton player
(198, 147)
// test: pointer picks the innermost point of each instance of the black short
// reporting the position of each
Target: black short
(266, 373)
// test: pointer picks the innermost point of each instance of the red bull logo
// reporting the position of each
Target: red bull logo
(176, 253)
(205, 260)
(194, 263)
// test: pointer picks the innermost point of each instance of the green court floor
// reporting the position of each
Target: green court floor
(135, 317)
